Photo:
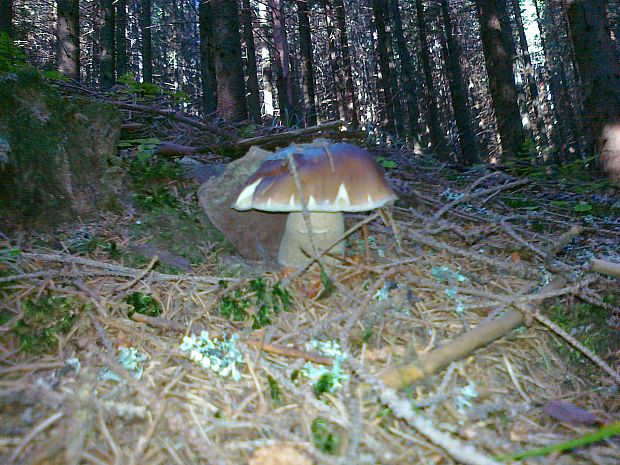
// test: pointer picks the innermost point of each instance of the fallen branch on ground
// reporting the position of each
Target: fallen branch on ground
(481, 336)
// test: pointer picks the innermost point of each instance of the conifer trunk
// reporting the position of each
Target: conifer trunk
(496, 44)
(68, 36)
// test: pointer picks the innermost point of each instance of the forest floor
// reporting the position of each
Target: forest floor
(95, 367)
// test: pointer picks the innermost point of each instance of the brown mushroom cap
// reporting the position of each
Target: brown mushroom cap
(333, 177)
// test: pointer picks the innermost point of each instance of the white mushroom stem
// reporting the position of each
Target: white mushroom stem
(296, 247)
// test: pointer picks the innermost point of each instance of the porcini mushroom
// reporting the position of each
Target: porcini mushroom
(334, 178)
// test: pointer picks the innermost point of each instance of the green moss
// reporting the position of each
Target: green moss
(274, 391)
(56, 165)
(45, 318)
(144, 304)
(588, 324)
(255, 300)
(324, 437)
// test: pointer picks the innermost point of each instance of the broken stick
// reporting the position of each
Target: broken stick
(481, 336)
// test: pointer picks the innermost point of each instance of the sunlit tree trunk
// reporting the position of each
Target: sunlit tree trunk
(68, 36)
(538, 125)
(599, 70)
(231, 101)
(266, 61)
(307, 65)
(107, 63)
(496, 45)
(251, 71)
(121, 37)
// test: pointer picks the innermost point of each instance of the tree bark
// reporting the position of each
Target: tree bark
(332, 58)
(407, 71)
(107, 63)
(146, 41)
(496, 46)
(379, 7)
(349, 88)
(231, 102)
(599, 70)
(121, 37)
(307, 65)
(68, 36)
(251, 71)
(266, 60)
(470, 152)
(6, 17)
(284, 78)
(437, 137)
(207, 67)
(538, 124)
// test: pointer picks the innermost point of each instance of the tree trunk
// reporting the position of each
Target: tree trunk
(68, 36)
(307, 66)
(599, 70)
(266, 60)
(538, 124)
(332, 57)
(496, 45)
(207, 68)
(284, 78)
(407, 71)
(121, 37)
(470, 152)
(251, 71)
(106, 38)
(231, 102)
(349, 89)
(379, 7)
(437, 137)
(147, 41)
(6, 17)
(561, 120)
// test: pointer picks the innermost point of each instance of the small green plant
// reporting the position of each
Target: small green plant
(326, 379)
(248, 131)
(257, 300)
(323, 436)
(328, 285)
(44, 319)
(149, 173)
(55, 75)
(144, 304)
(133, 87)
(92, 245)
(385, 163)
(274, 391)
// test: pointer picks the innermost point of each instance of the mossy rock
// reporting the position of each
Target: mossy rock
(58, 154)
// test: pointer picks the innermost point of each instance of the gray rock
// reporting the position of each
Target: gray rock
(200, 172)
(256, 235)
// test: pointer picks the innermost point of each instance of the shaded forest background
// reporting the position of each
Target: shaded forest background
(468, 80)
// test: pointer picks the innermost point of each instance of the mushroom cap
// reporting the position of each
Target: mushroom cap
(333, 177)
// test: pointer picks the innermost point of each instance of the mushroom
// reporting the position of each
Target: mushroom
(334, 178)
